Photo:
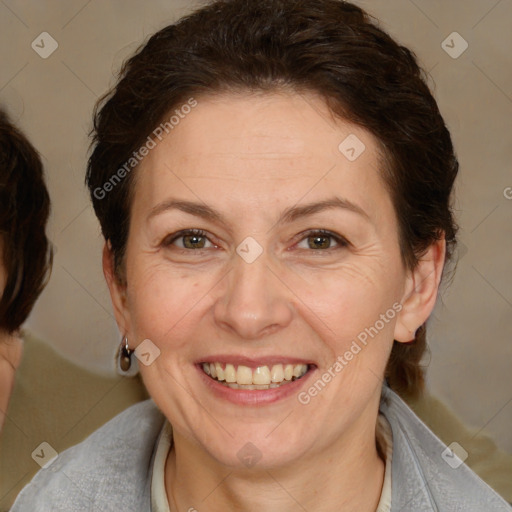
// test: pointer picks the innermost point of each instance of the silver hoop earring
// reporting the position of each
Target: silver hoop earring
(125, 365)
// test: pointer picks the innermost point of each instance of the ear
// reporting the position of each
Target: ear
(420, 293)
(117, 290)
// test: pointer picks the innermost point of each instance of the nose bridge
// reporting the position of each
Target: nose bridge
(253, 302)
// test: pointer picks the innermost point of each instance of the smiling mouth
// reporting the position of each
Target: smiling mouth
(259, 378)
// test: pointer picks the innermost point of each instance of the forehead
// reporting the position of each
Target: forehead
(255, 148)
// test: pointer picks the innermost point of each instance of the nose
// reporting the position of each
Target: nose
(253, 302)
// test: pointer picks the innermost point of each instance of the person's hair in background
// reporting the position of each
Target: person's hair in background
(25, 252)
(40, 391)
(24, 210)
(363, 74)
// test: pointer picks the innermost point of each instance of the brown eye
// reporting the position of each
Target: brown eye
(189, 239)
(194, 241)
(319, 242)
(323, 240)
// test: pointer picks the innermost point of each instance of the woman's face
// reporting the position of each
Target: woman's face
(260, 175)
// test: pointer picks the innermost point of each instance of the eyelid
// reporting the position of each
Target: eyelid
(341, 240)
(170, 239)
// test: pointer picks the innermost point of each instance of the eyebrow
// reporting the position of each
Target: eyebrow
(289, 215)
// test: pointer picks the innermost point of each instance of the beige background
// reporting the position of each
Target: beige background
(52, 100)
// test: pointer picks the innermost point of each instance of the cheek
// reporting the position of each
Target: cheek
(162, 300)
(345, 301)
(354, 312)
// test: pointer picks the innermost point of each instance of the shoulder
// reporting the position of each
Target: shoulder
(426, 474)
(110, 470)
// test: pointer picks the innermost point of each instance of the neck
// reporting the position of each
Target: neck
(11, 348)
(347, 476)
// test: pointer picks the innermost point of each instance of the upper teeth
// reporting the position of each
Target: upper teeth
(262, 375)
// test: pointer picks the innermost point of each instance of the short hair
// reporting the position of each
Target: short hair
(329, 47)
(24, 211)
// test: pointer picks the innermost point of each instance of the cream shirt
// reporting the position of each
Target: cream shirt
(159, 501)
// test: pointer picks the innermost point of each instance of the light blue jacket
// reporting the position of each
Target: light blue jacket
(111, 469)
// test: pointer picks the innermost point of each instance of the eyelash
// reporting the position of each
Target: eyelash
(341, 241)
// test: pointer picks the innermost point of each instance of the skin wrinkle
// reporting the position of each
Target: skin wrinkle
(284, 303)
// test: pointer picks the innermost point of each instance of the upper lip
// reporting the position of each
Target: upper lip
(254, 362)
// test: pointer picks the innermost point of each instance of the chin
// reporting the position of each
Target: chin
(257, 447)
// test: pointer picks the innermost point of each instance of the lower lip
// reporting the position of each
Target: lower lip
(254, 396)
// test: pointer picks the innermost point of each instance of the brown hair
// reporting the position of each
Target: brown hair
(328, 47)
(24, 211)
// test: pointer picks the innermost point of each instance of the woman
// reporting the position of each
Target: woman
(273, 183)
(43, 397)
